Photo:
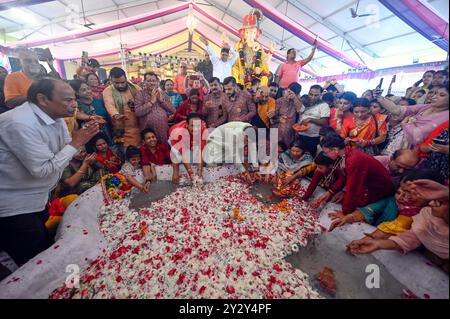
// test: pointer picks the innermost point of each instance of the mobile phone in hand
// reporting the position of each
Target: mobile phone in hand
(379, 84)
(377, 92)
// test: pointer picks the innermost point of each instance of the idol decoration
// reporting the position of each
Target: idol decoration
(253, 60)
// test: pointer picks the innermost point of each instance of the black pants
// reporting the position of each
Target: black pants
(310, 143)
(24, 236)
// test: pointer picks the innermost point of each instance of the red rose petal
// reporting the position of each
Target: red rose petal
(171, 272)
(181, 278)
(230, 289)
(277, 268)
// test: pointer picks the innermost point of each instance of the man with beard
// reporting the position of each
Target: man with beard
(239, 106)
(18, 83)
(213, 107)
(399, 163)
(256, 84)
(316, 115)
(119, 102)
(35, 148)
(285, 114)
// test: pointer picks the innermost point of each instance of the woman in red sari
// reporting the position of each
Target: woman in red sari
(192, 105)
(105, 157)
(364, 130)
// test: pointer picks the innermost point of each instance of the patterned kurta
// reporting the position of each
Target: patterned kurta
(214, 111)
(285, 116)
(242, 109)
(154, 115)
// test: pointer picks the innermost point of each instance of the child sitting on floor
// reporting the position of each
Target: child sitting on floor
(327, 175)
(105, 156)
(131, 168)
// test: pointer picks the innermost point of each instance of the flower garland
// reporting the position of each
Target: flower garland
(249, 72)
(115, 186)
(196, 243)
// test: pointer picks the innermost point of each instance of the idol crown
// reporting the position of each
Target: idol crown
(253, 19)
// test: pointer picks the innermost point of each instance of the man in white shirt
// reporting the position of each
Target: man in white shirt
(35, 147)
(316, 115)
(222, 66)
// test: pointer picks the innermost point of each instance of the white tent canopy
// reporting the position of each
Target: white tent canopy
(378, 41)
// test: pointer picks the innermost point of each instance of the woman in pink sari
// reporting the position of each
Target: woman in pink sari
(417, 121)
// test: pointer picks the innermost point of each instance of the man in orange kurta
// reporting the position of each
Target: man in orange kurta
(18, 83)
(121, 108)
(266, 105)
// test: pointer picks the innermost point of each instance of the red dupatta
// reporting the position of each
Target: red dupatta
(179, 130)
(185, 109)
(97, 91)
(109, 161)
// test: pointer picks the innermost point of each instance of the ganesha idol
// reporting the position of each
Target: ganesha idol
(253, 60)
